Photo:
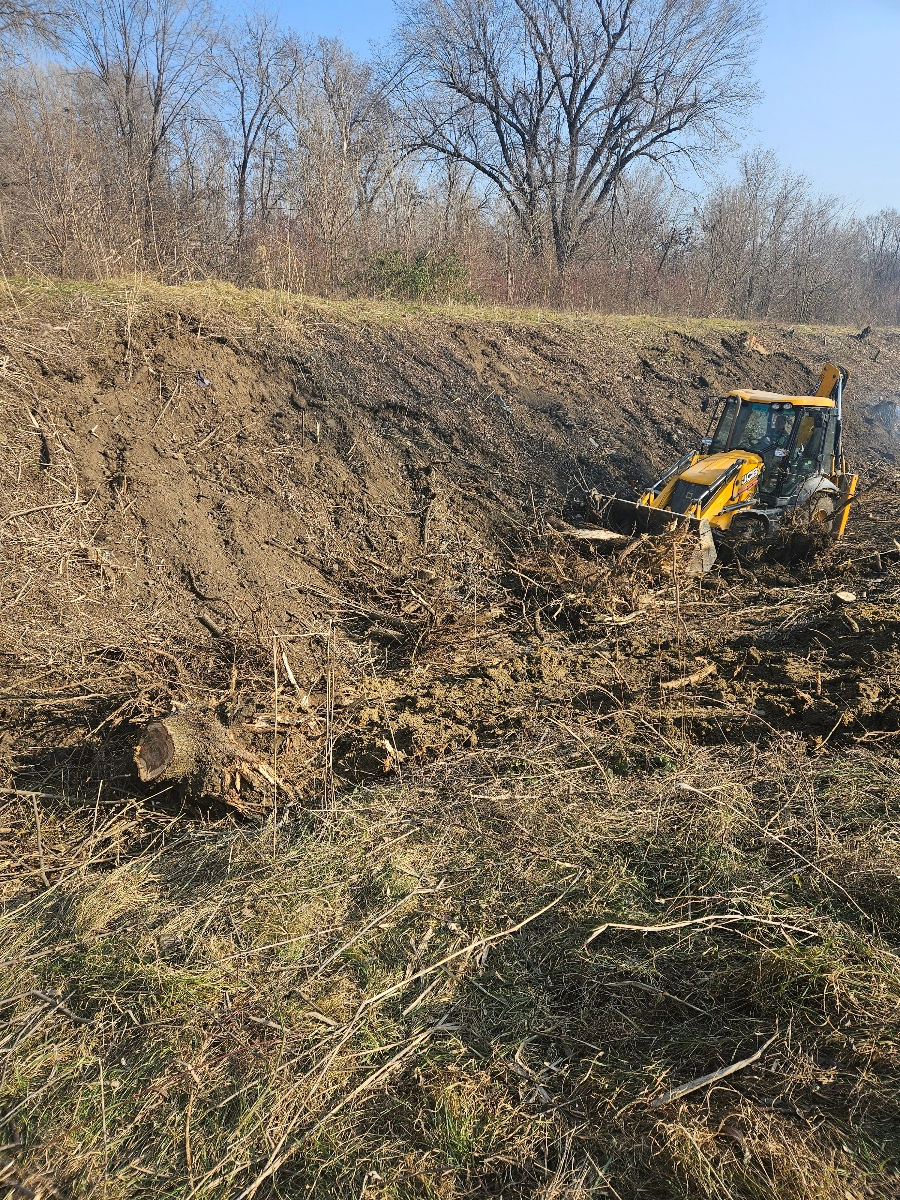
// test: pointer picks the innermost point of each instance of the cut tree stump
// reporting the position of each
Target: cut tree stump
(195, 751)
(186, 745)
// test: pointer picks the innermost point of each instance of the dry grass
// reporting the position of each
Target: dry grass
(217, 302)
(189, 1013)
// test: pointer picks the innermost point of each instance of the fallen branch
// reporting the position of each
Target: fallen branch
(772, 837)
(471, 948)
(684, 1089)
(712, 920)
(647, 987)
(214, 628)
(689, 680)
(59, 1006)
(27, 512)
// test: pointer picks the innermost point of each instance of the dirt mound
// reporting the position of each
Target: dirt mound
(205, 492)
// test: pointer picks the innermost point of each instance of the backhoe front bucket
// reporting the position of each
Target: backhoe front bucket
(631, 518)
(627, 518)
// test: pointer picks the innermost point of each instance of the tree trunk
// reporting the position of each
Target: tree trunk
(193, 751)
(187, 746)
(243, 169)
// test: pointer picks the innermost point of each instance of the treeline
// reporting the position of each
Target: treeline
(511, 151)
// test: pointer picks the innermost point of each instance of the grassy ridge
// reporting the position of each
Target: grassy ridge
(221, 300)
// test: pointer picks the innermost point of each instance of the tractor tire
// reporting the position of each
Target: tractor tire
(809, 533)
(747, 538)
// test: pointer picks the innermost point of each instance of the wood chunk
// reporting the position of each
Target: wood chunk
(193, 750)
(597, 535)
(605, 537)
(689, 680)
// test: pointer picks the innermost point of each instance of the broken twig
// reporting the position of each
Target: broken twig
(684, 1089)
(712, 920)
(689, 680)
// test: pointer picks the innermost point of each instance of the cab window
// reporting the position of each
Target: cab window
(723, 429)
(810, 447)
(763, 429)
(810, 438)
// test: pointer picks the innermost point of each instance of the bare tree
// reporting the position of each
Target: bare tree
(151, 59)
(257, 63)
(344, 157)
(552, 100)
(769, 246)
(63, 212)
(644, 239)
(746, 229)
(28, 20)
(880, 236)
(522, 149)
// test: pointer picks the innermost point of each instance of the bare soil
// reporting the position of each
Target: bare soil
(193, 483)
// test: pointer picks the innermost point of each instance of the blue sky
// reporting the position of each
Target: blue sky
(830, 72)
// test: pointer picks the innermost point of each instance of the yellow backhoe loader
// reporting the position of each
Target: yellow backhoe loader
(767, 461)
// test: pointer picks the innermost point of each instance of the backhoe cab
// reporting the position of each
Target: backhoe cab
(764, 456)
